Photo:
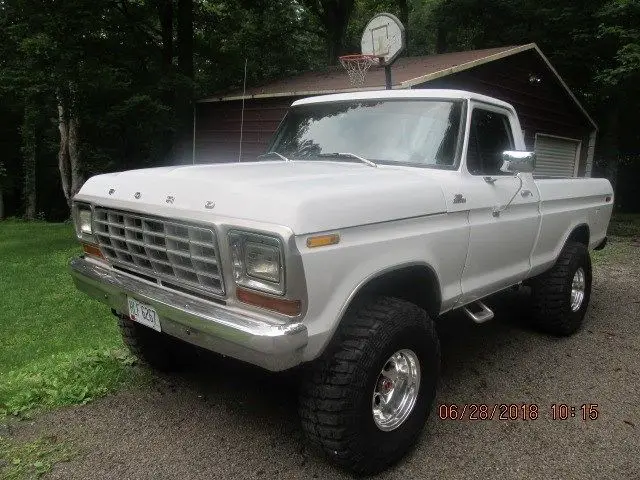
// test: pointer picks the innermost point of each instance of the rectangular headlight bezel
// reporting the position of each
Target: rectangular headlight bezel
(238, 240)
(84, 229)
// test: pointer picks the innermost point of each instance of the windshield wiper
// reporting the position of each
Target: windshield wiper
(351, 155)
(282, 157)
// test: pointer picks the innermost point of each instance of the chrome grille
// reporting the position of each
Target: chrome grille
(171, 251)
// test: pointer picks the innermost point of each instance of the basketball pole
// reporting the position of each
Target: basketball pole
(387, 76)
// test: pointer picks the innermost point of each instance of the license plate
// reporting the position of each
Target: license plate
(144, 314)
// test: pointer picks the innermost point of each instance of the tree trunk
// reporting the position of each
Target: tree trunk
(29, 153)
(69, 159)
(403, 6)
(75, 164)
(165, 15)
(334, 47)
(1, 203)
(30, 185)
(63, 150)
(609, 143)
(441, 40)
(335, 19)
(185, 37)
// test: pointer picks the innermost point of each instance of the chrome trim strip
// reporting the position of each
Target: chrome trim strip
(274, 346)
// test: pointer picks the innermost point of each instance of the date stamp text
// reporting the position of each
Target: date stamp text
(517, 411)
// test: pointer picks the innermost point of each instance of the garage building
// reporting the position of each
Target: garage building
(554, 123)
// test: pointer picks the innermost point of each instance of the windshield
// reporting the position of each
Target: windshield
(414, 132)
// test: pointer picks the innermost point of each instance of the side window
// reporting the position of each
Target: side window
(489, 136)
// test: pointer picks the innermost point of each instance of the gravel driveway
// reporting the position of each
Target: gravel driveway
(233, 421)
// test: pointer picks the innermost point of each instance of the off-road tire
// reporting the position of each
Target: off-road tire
(551, 292)
(160, 351)
(336, 395)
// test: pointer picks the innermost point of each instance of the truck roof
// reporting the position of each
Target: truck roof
(403, 94)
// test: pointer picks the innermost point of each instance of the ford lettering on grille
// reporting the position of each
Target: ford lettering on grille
(177, 254)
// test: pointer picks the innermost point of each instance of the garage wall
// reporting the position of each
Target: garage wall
(217, 138)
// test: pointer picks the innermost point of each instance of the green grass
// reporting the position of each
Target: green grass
(31, 459)
(57, 346)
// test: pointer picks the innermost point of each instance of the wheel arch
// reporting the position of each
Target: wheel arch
(580, 233)
(415, 282)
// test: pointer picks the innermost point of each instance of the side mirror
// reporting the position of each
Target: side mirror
(518, 162)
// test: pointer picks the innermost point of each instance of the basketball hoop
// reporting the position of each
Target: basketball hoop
(357, 67)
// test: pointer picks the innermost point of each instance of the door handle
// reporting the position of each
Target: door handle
(526, 193)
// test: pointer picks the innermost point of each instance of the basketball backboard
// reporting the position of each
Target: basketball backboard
(384, 37)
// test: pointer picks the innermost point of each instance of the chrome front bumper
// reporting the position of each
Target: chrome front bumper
(214, 327)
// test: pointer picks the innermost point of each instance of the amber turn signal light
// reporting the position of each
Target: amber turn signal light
(92, 250)
(280, 305)
(323, 240)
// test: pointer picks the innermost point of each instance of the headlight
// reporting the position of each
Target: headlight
(262, 261)
(82, 215)
(84, 221)
(257, 261)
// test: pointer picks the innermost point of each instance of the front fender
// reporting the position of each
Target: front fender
(336, 273)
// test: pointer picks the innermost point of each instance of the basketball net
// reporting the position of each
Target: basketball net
(357, 67)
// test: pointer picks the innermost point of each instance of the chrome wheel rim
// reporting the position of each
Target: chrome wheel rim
(577, 289)
(396, 390)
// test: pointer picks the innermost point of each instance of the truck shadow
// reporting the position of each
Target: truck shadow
(249, 390)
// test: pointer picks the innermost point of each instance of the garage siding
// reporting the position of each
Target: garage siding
(218, 125)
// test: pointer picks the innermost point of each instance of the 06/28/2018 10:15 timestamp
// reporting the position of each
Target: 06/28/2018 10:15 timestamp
(517, 411)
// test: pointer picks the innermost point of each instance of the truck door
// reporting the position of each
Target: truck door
(503, 212)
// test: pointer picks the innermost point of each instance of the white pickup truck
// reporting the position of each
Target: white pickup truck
(371, 215)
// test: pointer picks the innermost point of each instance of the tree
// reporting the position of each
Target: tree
(87, 63)
(49, 64)
(185, 37)
(3, 179)
(333, 16)
(29, 134)
(165, 17)
(618, 83)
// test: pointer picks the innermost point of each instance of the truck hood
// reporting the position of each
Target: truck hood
(305, 196)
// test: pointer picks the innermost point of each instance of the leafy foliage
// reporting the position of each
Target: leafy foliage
(32, 459)
(64, 379)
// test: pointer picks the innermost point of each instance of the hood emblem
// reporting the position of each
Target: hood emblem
(209, 205)
(112, 191)
(137, 195)
(459, 198)
(170, 199)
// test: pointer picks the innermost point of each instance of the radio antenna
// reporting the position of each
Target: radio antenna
(244, 91)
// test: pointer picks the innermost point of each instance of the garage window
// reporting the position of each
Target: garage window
(556, 156)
